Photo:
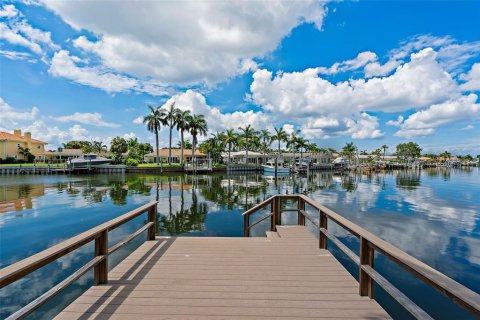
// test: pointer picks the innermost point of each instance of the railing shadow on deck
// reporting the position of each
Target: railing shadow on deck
(151, 257)
(99, 263)
(369, 244)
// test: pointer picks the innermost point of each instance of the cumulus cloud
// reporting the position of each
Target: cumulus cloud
(217, 121)
(185, 42)
(472, 79)
(359, 61)
(376, 69)
(138, 120)
(395, 123)
(17, 31)
(93, 119)
(11, 117)
(424, 122)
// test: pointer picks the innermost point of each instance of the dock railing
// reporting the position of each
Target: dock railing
(99, 263)
(369, 244)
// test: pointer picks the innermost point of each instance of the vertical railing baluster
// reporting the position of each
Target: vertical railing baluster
(152, 217)
(323, 225)
(367, 255)
(301, 207)
(101, 249)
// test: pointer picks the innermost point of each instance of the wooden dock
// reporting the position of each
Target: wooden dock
(283, 276)
(289, 274)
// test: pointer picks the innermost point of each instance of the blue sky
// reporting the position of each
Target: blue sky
(366, 71)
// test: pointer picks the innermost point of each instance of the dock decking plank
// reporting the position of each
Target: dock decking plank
(283, 276)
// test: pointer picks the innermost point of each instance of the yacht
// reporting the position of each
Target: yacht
(88, 160)
(269, 167)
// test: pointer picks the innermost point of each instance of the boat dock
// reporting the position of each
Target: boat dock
(27, 170)
(283, 275)
(286, 272)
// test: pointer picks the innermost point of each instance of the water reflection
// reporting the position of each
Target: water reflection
(432, 214)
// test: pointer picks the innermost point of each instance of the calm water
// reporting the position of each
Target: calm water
(433, 215)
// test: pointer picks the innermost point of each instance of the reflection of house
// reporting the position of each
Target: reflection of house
(19, 197)
(10, 144)
(176, 155)
(62, 155)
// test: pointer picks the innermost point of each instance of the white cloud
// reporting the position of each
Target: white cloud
(64, 65)
(424, 122)
(8, 11)
(186, 42)
(472, 79)
(395, 123)
(468, 127)
(11, 117)
(15, 38)
(138, 120)
(16, 55)
(376, 69)
(359, 61)
(130, 135)
(216, 120)
(93, 119)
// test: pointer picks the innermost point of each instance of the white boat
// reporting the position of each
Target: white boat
(88, 160)
(269, 168)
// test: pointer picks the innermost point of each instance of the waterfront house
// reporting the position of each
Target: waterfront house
(61, 155)
(176, 155)
(10, 145)
(237, 157)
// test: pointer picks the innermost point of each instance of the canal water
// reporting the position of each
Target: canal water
(432, 214)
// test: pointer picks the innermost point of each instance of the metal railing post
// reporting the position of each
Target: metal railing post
(367, 255)
(101, 249)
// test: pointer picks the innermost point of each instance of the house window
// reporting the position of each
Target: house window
(39, 147)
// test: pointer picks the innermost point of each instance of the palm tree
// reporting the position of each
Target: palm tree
(384, 147)
(266, 140)
(25, 152)
(280, 135)
(302, 144)
(197, 125)
(292, 142)
(154, 121)
(182, 121)
(171, 117)
(230, 138)
(349, 150)
(248, 133)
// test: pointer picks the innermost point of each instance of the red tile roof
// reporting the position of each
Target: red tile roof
(11, 137)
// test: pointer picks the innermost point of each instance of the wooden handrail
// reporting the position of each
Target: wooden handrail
(26, 266)
(369, 244)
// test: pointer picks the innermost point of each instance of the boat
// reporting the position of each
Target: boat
(88, 160)
(269, 168)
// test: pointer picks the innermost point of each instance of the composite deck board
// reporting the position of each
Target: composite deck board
(283, 276)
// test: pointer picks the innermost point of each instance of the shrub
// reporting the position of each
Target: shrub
(132, 162)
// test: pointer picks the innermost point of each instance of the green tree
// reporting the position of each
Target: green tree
(384, 147)
(27, 155)
(247, 132)
(118, 147)
(292, 143)
(154, 121)
(349, 150)
(197, 126)
(98, 147)
(409, 150)
(182, 121)
(266, 141)
(280, 136)
(171, 116)
(230, 138)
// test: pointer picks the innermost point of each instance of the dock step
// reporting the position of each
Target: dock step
(299, 232)
(272, 235)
